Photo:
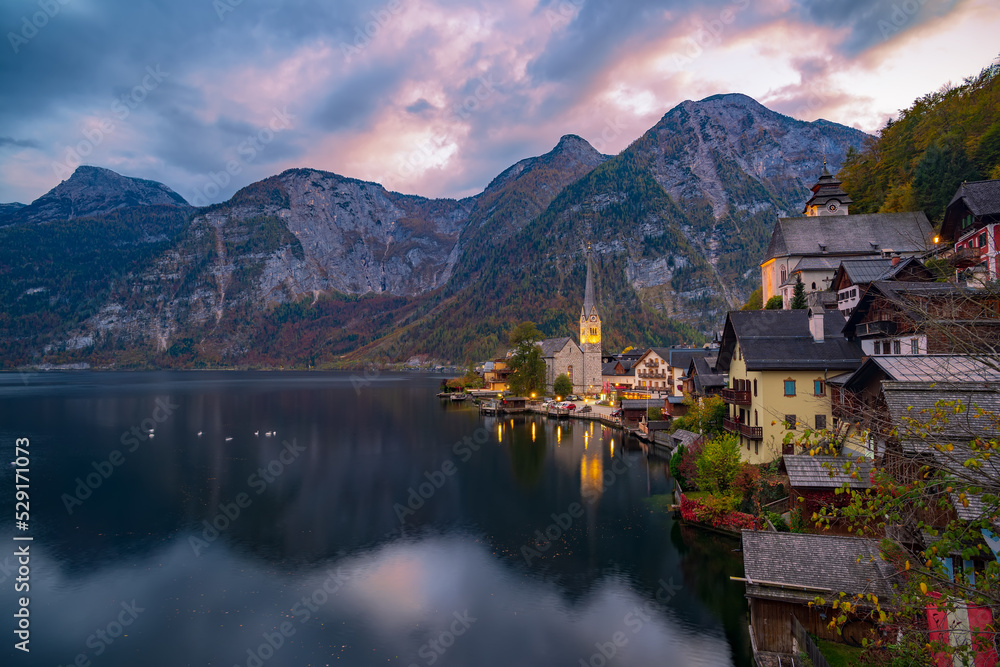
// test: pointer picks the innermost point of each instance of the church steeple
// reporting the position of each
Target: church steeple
(828, 197)
(590, 336)
(589, 306)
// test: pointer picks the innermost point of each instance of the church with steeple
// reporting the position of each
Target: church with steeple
(590, 335)
(580, 361)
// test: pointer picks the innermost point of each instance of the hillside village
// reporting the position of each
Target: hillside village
(869, 366)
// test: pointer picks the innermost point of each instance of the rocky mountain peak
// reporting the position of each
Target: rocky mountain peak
(93, 191)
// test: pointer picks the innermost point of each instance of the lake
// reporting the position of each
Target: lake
(252, 518)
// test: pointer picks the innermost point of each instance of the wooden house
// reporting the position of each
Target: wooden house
(972, 225)
(815, 479)
(924, 318)
(785, 572)
(853, 276)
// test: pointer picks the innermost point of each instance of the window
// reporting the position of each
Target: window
(755, 422)
(755, 387)
(897, 347)
(814, 285)
(885, 347)
(789, 387)
(783, 275)
(982, 240)
(820, 422)
(914, 346)
(569, 372)
(790, 422)
(756, 446)
(818, 388)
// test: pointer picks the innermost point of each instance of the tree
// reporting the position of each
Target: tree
(719, 463)
(703, 416)
(527, 364)
(756, 300)
(799, 295)
(562, 385)
(774, 303)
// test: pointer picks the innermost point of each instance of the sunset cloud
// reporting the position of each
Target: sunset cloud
(436, 97)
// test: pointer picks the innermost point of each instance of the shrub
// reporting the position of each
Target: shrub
(747, 481)
(778, 521)
(774, 303)
(675, 466)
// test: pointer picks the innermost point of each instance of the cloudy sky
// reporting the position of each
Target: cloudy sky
(434, 97)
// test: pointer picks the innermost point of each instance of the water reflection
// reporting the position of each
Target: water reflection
(398, 514)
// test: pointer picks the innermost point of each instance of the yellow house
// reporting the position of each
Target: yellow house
(778, 362)
(496, 374)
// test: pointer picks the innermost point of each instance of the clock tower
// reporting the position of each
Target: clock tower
(590, 338)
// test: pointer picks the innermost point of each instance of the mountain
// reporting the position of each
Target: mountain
(91, 191)
(310, 267)
(7, 209)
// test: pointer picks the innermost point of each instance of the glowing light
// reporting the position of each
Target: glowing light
(612, 448)
(591, 476)
(558, 433)
(532, 431)
(500, 433)
(937, 239)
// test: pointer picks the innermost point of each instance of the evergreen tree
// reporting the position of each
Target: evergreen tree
(799, 295)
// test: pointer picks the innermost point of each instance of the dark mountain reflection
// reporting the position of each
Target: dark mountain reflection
(416, 514)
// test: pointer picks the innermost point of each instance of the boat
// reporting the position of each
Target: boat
(459, 397)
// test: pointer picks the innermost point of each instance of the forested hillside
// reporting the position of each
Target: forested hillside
(919, 160)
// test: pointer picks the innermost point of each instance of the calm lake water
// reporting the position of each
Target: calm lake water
(377, 525)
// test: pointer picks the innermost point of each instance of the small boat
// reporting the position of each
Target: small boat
(459, 397)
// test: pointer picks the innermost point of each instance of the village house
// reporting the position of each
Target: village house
(778, 362)
(811, 248)
(972, 224)
(924, 318)
(786, 572)
(853, 277)
(814, 479)
(495, 375)
(617, 375)
(701, 379)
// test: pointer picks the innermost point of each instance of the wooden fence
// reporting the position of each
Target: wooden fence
(807, 645)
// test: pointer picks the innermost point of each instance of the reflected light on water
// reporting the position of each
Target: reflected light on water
(591, 476)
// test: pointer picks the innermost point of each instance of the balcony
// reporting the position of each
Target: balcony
(736, 396)
(963, 258)
(749, 432)
(875, 329)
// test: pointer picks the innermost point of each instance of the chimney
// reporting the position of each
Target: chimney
(816, 323)
(895, 260)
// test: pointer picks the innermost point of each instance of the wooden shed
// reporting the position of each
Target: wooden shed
(815, 479)
(787, 571)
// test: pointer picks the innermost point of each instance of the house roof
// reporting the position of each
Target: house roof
(640, 403)
(550, 346)
(705, 376)
(966, 412)
(865, 270)
(686, 438)
(589, 304)
(780, 339)
(851, 565)
(816, 263)
(827, 472)
(859, 235)
(611, 368)
(680, 357)
(981, 197)
(924, 368)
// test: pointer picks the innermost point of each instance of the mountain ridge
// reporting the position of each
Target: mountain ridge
(308, 255)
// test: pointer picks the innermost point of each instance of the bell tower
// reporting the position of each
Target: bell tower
(590, 337)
